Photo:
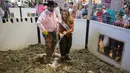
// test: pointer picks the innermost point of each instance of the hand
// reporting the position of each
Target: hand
(64, 32)
(61, 35)
(60, 21)
(126, 26)
(45, 32)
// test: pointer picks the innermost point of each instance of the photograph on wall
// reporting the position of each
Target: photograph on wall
(29, 14)
(110, 47)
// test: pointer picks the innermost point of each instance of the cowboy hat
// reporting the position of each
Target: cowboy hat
(50, 4)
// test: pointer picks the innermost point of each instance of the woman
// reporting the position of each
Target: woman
(66, 41)
(1, 13)
(78, 12)
(73, 14)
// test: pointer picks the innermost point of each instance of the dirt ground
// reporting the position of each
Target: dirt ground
(20, 61)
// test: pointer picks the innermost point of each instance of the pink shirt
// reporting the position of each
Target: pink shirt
(47, 20)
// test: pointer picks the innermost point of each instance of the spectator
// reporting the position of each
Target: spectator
(1, 13)
(78, 12)
(84, 11)
(41, 8)
(57, 12)
(5, 8)
(112, 15)
(70, 9)
(99, 13)
(65, 5)
(126, 19)
(19, 3)
(73, 14)
(32, 4)
(119, 21)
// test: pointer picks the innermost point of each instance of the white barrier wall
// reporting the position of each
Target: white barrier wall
(17, 35)
(79, 34)
(16, 11)
(118, 33)
(27, 10)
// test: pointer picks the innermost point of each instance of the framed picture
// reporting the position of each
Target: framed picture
(11, 15)
(28, 14)
(33, 14)
(110, 47)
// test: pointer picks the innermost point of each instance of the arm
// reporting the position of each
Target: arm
(40, 22)
(70, 30)
(58, 21)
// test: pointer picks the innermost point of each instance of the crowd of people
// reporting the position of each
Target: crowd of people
(101, 13)
(106, 15)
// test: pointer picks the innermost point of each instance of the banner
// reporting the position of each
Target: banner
(116, 4)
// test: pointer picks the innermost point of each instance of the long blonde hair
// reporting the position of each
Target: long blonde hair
(68, 20)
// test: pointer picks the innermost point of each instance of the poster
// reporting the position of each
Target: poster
(107, 1)
(110, 47)
(31, 14)
(117, 4)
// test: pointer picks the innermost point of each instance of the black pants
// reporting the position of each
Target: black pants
(65, 45)
(50, 41)
(6, 15)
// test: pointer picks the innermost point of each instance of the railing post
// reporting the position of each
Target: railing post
(38, 30)
(87, 22)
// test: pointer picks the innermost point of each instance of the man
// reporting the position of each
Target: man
(49, 26)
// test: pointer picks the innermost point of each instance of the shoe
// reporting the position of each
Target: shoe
(63, 59)
(67, 57)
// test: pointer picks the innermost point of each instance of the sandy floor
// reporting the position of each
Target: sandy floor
(83, 61)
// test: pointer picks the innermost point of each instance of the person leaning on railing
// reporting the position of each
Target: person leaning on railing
(119, 17)
(1, 13)
(126, 18)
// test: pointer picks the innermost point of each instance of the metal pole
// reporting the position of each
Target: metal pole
(89, 9)
(88, 22)
(20, 11)
(38, 30)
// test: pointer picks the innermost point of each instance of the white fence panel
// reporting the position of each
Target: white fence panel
(17, 35)
(118, 33)
(79, 34)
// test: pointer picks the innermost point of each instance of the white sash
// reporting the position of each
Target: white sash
(65, 25)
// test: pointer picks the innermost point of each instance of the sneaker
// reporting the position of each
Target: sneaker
(67, 57)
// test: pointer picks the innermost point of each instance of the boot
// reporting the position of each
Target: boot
(67, 57)
(63, 59)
